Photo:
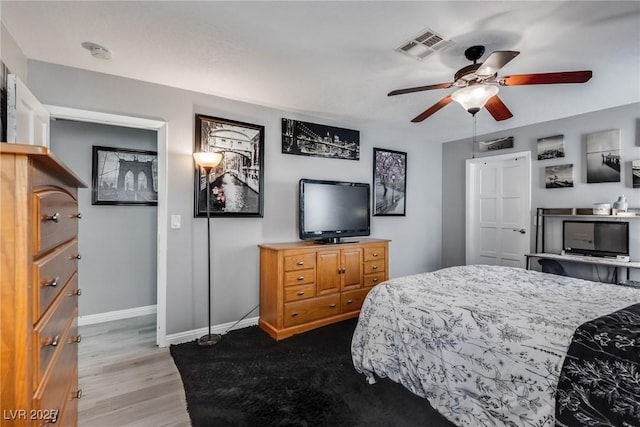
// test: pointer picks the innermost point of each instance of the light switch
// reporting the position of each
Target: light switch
(175, 221)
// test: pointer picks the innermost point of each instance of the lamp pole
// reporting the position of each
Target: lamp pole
(207, 161)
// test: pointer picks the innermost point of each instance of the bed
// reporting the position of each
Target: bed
(485, 345)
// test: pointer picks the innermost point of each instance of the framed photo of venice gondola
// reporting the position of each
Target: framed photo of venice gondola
(236, 184)
(122, 176)
(389, 182)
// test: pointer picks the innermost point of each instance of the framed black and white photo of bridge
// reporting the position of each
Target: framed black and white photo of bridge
(311, 139)
(236, 184)
(122, 176)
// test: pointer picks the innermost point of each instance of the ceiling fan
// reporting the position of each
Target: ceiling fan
(478, 84)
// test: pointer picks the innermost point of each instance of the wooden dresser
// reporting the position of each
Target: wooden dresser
(306, 285)
(39, 288)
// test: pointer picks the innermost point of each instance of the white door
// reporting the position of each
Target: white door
(27, 119)
(498, 209)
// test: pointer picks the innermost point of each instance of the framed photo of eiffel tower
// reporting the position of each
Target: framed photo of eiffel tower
(121, 176)
(311, 139)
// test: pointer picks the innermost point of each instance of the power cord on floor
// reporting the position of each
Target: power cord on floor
(241, 319)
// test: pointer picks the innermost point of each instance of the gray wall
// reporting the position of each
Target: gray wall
(582, 194)
(117, 243)
(416, 237)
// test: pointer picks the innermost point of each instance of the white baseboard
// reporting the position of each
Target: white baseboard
(92, 319)
(194, 334)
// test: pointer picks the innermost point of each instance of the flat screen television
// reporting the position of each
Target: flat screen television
(332, 210)
(595, 238)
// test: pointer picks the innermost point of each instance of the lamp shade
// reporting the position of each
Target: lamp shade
(207, 160)
(474, 97)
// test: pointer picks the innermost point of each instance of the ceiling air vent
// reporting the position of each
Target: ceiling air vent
(424, 44)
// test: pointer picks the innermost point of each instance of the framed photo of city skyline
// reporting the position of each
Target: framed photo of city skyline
(311, 139)
(236, 184)
(122, 176)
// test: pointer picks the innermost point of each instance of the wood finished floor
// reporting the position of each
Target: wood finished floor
(126, 380)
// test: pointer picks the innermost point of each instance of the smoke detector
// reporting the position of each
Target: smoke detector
(97, 51)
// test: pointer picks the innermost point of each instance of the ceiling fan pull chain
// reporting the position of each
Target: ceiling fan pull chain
(473, 146)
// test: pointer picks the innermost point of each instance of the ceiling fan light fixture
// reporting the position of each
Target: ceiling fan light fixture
(474, 97)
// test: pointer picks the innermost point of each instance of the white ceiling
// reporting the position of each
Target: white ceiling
(336, 59)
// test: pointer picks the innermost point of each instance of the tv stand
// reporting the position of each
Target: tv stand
(333, 241)
(306, 285)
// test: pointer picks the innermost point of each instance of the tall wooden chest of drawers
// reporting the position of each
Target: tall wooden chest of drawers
(39, 288)
(306, 285)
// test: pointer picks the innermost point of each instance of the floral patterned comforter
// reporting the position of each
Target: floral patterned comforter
(484, 344)
(600, 381)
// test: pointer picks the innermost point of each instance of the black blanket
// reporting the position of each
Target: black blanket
(600, 380)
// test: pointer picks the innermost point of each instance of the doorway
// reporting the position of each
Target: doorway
(498, 209)
(160, 127)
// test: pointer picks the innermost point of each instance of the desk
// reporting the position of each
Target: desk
(609, 262)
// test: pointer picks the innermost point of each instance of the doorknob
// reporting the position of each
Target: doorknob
(521, 231)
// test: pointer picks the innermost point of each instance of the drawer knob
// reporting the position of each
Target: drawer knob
(375, 279)
(332, 305)
(77, 256)
(53, 283)
(349, 301)
(300, 262)
(77, 394)
(53, 342)
(375, 254)
(55, 217)
(77, 215)
(294, 314)
(76, 293)
(300, 277)
(375, 267)
(300, 293)
(75, 340)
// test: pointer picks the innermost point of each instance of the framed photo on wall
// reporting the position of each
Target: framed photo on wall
(312, 139)
(236, 184)
(558, 176)
(389, 182)
(122, 176)
(551, 147)
(603, 156)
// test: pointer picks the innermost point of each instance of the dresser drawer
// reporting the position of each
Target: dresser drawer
(299, 261)
(50, 334)
(374, 266)
(300, 277)
(51, 273)
(296, 293)
(372, 253)
(296, 313)
(56, 220)
(374, 278)
(54, 394)
(352, 300)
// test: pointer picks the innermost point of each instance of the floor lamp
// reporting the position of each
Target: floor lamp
(208, 161)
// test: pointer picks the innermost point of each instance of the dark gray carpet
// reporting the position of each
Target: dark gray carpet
(248, 379)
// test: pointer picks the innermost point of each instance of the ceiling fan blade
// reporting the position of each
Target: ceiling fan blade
(435, 107)
(495, 61)
(497, 109)
(420, 89)
(547, 78)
